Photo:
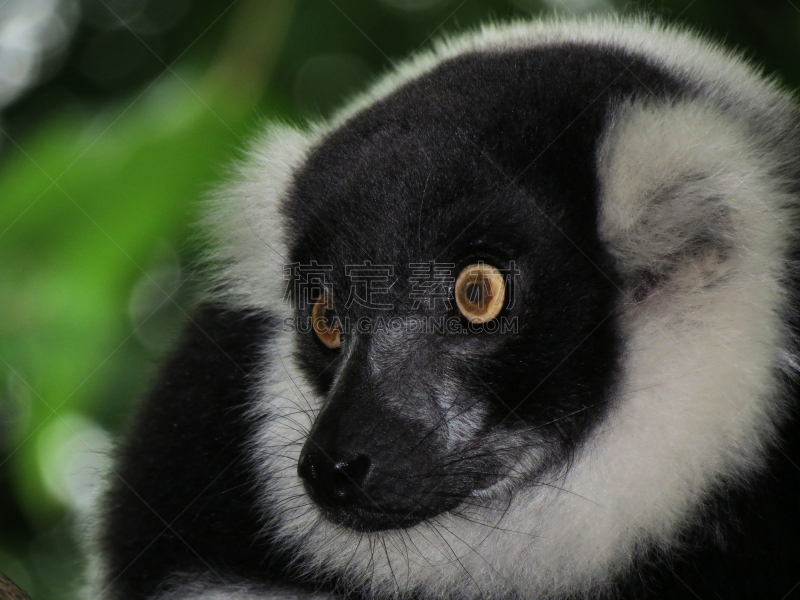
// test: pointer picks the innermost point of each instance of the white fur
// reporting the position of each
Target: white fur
(249, 250)
(206, 591)
(698, 402)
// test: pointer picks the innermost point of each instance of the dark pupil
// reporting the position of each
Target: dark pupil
(330, 318)
(475, 293)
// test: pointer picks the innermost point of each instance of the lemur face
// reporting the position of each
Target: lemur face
(416, 419)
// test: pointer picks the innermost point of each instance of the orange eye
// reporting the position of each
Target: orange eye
(480, 292)
(324, 319)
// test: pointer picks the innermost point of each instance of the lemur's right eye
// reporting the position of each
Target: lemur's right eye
(326, 322)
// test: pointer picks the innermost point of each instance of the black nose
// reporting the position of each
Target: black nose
(334, 483)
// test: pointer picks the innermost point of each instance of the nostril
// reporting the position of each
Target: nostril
(352, 472)
(345, 480)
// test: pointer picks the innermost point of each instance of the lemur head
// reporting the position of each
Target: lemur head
(471, 264)
(546, 312)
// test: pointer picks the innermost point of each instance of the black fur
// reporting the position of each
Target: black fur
(182, 497)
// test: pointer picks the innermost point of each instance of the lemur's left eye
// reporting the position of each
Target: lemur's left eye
(326, 322)
(480, 292)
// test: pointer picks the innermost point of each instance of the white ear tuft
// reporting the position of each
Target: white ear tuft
(687, 195)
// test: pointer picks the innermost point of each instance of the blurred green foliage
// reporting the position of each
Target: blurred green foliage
(101, 171)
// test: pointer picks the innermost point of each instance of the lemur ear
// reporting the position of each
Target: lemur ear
(688, 196)
(248, 248)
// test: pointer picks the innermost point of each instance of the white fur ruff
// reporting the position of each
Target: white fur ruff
(205, 591)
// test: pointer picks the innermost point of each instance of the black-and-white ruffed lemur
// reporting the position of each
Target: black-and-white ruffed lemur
(518, 322)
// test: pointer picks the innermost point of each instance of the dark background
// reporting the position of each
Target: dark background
(116, 117)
